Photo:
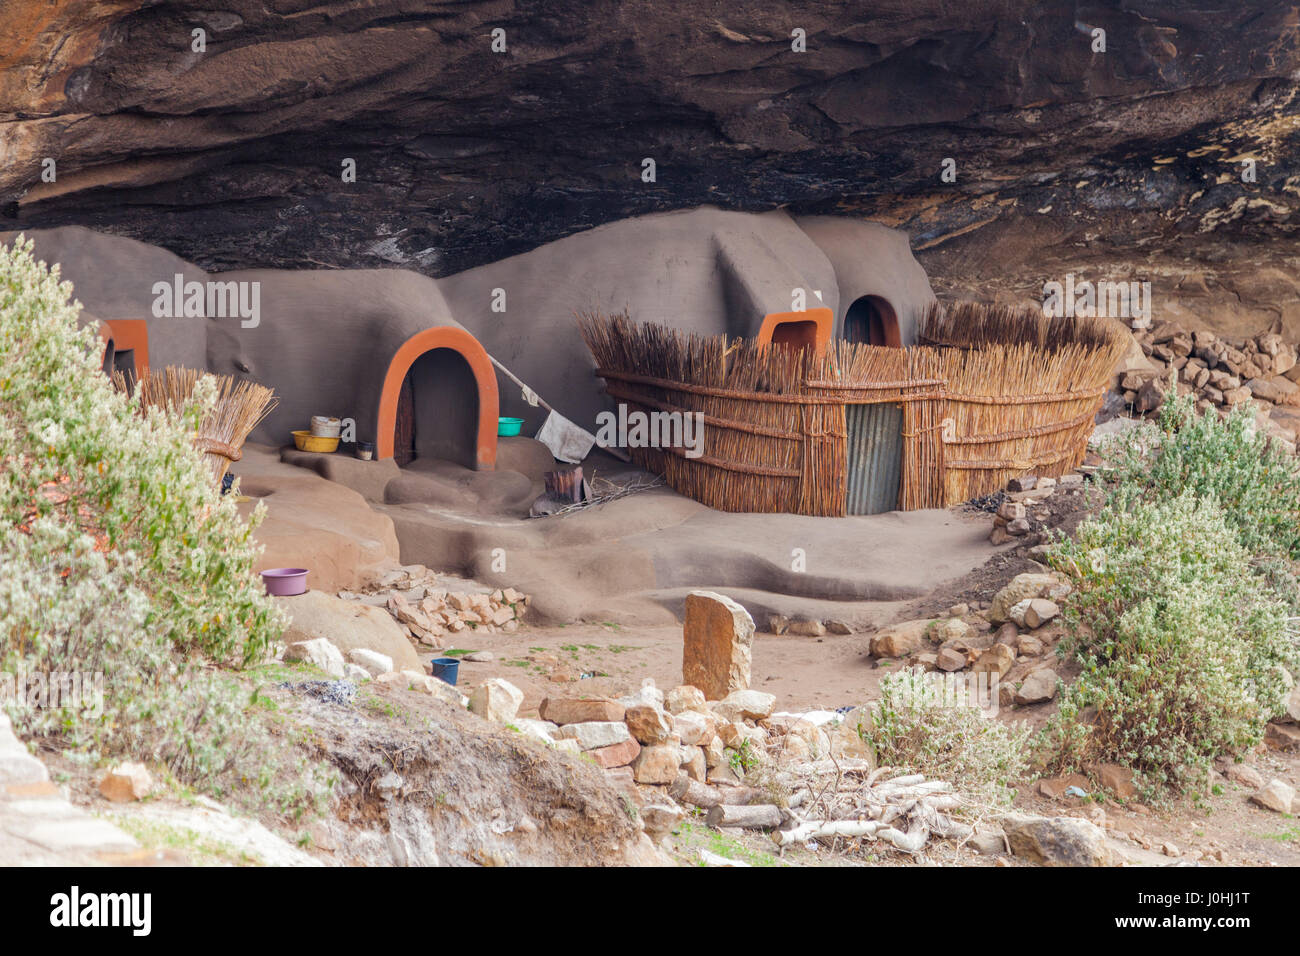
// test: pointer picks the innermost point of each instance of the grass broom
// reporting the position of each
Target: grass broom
(240, 407)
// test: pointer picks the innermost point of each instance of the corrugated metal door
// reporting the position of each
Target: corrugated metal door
(875, 454)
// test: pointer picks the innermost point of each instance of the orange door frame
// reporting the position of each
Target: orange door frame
(460, 341)
(128, 334)
(821, 321)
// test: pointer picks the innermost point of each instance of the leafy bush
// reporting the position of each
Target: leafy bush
(1255, 482)
(117, 554)
(1180, 646)
(916, 725)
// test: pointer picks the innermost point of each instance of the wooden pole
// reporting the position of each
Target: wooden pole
(511, 375)
(760, 817)
(616, 452)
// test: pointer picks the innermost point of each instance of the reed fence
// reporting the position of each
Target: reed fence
(994, 394)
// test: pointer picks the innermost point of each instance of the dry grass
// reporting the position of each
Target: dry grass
(971, 325)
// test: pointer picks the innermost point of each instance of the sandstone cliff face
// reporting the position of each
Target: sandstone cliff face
(232, 157)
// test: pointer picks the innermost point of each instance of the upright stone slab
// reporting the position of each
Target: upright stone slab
(717, 638)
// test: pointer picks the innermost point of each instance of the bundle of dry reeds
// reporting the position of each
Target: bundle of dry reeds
(240, 407)
(972, 325)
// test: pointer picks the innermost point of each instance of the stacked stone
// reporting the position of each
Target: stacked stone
(1015, 515)
(1221, 373)
(429, 612)
(706, 743)
(1010, 640)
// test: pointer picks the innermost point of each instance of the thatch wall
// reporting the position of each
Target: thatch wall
(1022, 392)
(977, 409)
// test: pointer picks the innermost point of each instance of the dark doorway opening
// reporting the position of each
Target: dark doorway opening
(872, 320)
(404, 430)
(124, 362)
(119, 360)
(437, 410)
(795, 335)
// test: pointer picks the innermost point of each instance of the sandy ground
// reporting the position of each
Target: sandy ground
(630, 561)
(803, 672)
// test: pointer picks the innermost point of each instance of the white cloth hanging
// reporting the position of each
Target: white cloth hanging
(567, 441)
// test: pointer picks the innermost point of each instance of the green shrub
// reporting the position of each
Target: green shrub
(117, 554)
(917, 726)
(1255, 482)
(1181, 648)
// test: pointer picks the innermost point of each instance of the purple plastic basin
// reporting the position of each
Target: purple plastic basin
(285, 581)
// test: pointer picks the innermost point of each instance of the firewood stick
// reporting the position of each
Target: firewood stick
(759, 817)
(819, 829)
(912, 841)
(687, 790)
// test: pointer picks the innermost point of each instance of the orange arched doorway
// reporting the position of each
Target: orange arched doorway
(483, 376)
(871, 319)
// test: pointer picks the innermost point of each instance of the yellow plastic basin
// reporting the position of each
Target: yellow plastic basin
(306, 441)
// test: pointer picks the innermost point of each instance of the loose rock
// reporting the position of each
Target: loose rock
(753, 704)
(1020, 588)
(1038, 687)
(560, 710)
(595, 734)
(684, 698)
(694, 728)
(126, 783)
(373, 662)
(1056, 841)
(717, 637)
(648, 724)
(319, 653)
(497, 700)
(657, 765)
(1276, 795)
(997, 659)
(1033, 612)
(899, 640)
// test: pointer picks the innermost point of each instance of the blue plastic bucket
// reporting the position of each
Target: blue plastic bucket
(446, 669)
(509, 427)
